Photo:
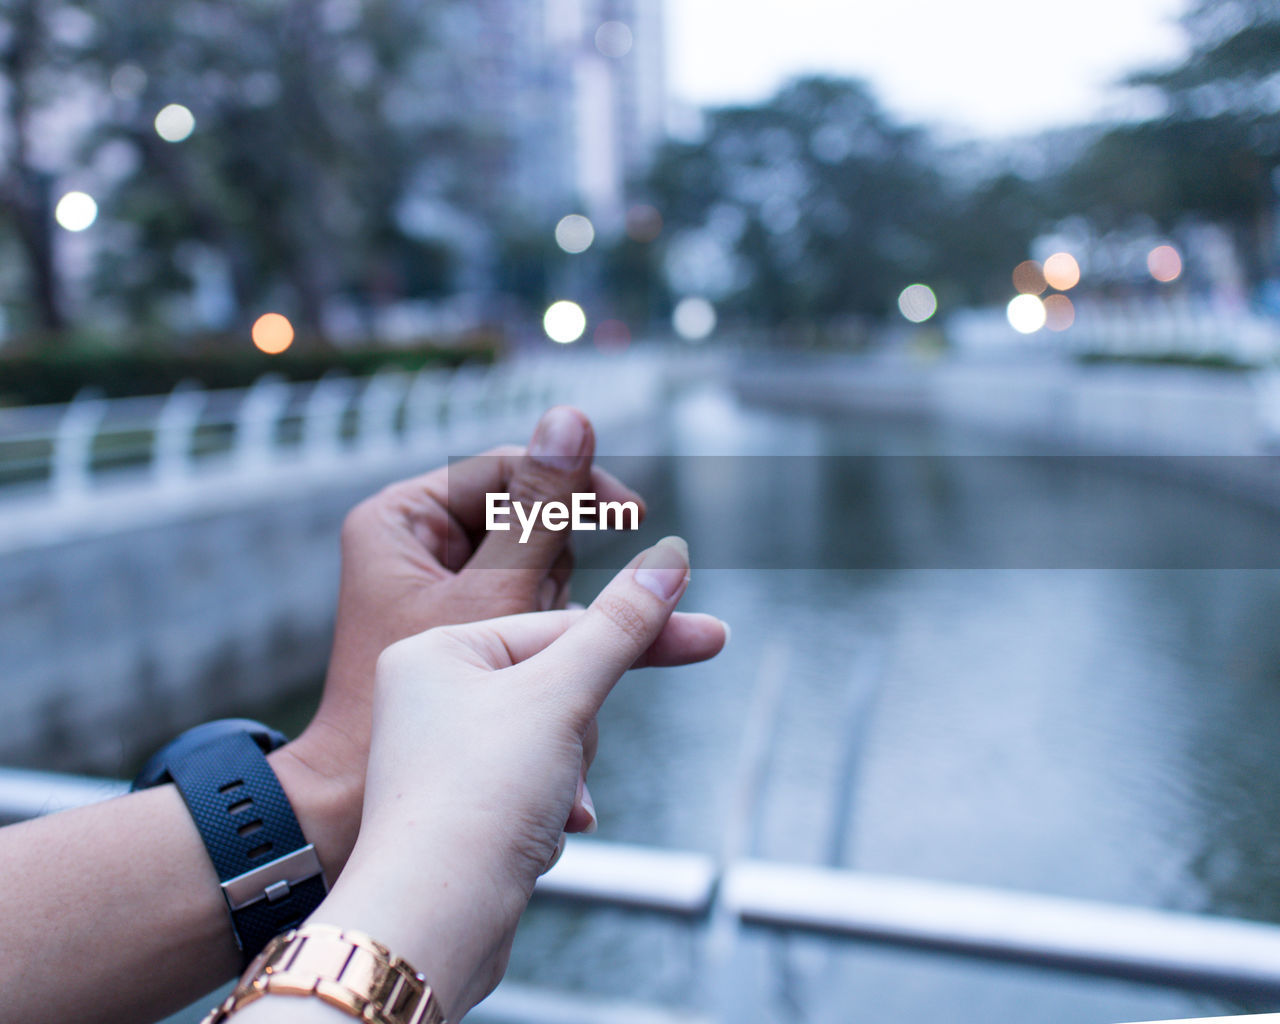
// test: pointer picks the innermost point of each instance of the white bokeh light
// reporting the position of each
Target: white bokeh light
(175, 123)
(614, 39)
(575, 233)
(76, 211)
(693, 318)
(1026, 314)
(917, 303)
(564, 321)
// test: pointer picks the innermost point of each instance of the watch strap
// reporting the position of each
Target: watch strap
(270, 875)
(344, 968)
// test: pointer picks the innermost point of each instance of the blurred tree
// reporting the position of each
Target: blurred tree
(325, 157)
(983, 230)
(1215, 150)
(42, 44)
(817, 206)
(812, 205)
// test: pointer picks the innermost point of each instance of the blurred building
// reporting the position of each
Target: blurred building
(570, 93)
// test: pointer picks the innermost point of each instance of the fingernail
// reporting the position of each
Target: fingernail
(590, 808)
(664, 568)
(728, 633)
(559, 439)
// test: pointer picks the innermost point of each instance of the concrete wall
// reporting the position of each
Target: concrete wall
(1217, 428)
(113, 642)
(138, 609)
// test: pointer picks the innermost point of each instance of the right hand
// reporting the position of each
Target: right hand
(480, 734)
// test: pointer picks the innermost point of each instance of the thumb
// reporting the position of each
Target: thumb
(557, 463)
(622, 623)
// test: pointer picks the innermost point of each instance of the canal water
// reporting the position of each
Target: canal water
(1093, 719)
(1065, 684)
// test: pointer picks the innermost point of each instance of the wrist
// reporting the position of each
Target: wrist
(326, 800)
(452, 922)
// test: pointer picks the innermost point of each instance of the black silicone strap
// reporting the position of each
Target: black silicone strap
(248, 825)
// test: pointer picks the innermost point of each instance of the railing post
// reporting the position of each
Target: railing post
(322, 420)
(424, 404)
(73, 445)
(256, 419)
(462, 398)
(174, 435)
(379, 403)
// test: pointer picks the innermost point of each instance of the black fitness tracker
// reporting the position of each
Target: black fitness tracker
(270, 875)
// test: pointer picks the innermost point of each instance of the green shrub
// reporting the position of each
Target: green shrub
(56, 374)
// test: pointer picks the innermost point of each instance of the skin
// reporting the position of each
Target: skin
(479, 737)
(121, 910)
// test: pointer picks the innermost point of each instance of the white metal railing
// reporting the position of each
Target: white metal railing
(66, 452)
(1191, 951)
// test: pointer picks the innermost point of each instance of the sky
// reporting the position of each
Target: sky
(986, 68)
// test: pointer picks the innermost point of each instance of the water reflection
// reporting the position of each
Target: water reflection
(1094, 732)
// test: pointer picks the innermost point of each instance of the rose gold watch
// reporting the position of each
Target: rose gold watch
(345, 969)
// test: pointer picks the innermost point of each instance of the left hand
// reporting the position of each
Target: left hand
(480, 732)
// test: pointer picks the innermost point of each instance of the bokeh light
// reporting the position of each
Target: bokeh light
(1061, 271)
(76, 211)
(917, 303)
(272, 333)
(1026, 313)
(564, 322)
(614, 39)
(128, 81)
(611, 336)
(1028, 278)
(575, 233)
(175, 123)
(1059, 312)
(1165, 263)
(644, 223)
(694, 318)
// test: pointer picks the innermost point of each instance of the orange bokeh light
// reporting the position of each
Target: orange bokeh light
(1062, 271)
(272, 333)
(644, 223)
(611, 336)
(1028, 278)
(1059, 313)
(1165, 263)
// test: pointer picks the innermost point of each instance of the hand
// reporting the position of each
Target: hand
(415, 556)
(479, 738)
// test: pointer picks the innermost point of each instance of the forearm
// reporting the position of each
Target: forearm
(116, 906)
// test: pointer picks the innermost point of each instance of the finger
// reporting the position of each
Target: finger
(547, 591)
(587, 660)
(560, 576)
(463, 486)
(512, 639)
(555, 855)
(446, 508)
(590, 744)
(556, 466)
(687, 638)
